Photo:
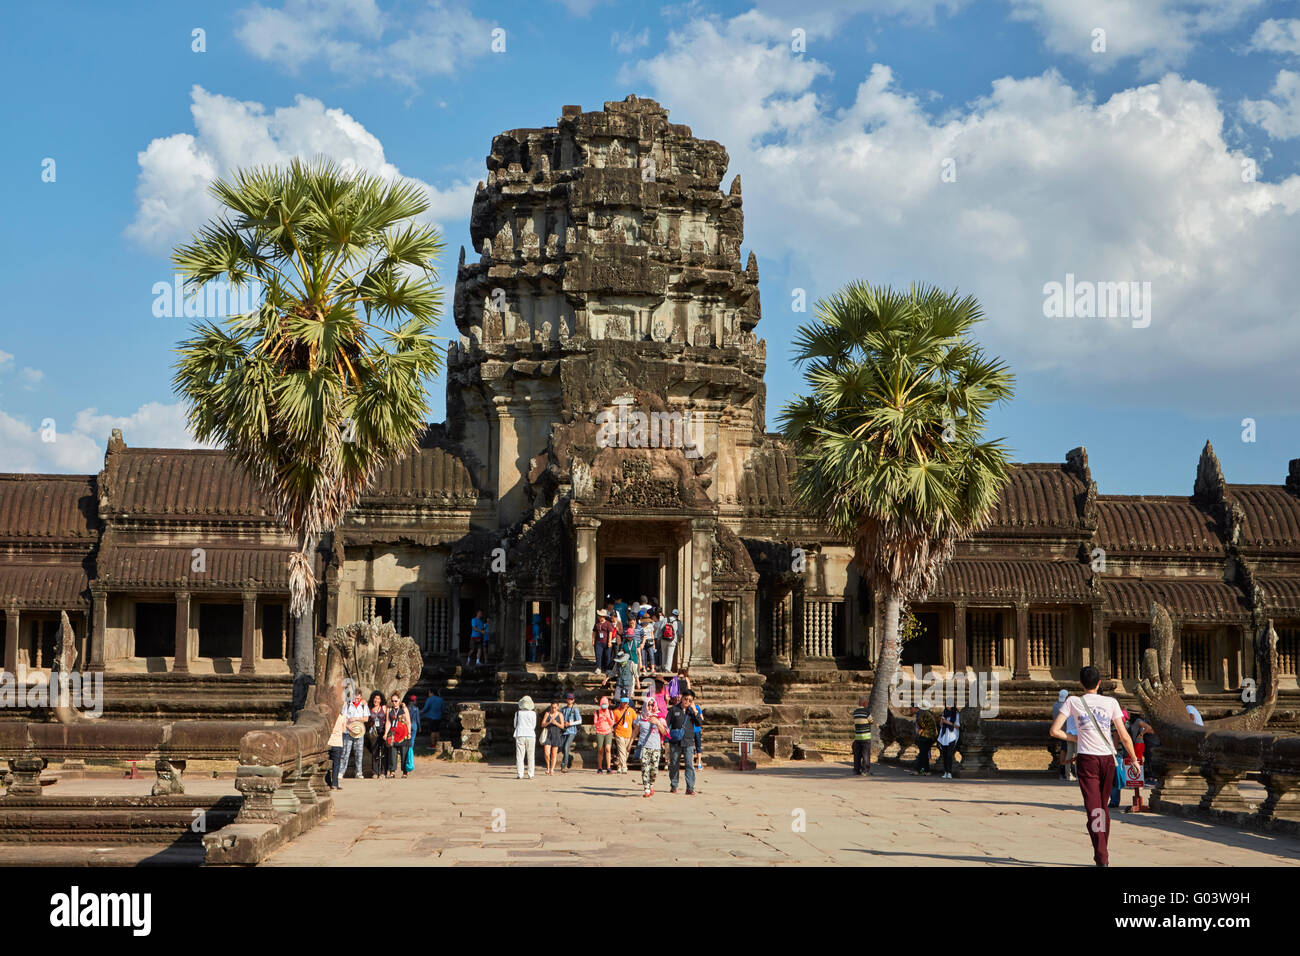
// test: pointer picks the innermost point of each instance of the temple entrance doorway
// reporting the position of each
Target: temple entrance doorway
(539, 630)
(925, 648)
(629, 578)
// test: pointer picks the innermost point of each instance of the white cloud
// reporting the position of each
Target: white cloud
(629, 42)
(172, 191)
(349, 37)
(1277, 36)
(1280, 117)
(1158, 33)
(6, 360)
(31, 378)
(80, 449)
(1140, 187)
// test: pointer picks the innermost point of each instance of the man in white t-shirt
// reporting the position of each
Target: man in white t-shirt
(1094, 715)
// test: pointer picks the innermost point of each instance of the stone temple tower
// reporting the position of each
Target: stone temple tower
(607, 374)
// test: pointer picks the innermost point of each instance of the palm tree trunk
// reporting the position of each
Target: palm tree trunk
(886, 668)
(304, 631)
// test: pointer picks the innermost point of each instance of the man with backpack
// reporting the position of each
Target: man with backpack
(1095, 765)
(683, 722)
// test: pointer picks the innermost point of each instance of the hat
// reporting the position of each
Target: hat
(630, 632)
(601, 612)
(621, 658)
(568, 697)
(676, 612)
(1062, 695)
(525, 703)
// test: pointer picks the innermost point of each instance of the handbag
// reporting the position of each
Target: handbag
(409, 763)
(1097, 726)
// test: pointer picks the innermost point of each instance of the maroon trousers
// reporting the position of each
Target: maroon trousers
(1096, 778)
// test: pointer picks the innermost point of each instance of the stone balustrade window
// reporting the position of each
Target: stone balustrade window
(1197, 665)
(1288, 649)
(437, 626)
(1047, 638)
(823, 628)
(984, 639)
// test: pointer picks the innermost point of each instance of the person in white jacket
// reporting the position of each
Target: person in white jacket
(525, 736)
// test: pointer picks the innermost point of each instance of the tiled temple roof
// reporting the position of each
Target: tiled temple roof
(48, 508)
(169, 482)
(1278, 594)
(1017, 580)
(1038, 496)
(425, 473)
(226, 568)
(175, 482)
(62, 585)
(1127, 523)
(1271, 516)
(1207, 600)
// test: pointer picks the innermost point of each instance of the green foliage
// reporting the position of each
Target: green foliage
(326, 381)
(890, 437)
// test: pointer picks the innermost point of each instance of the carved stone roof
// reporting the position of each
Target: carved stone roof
(1270, 516)
(1278, 594)
(1128, 523)
(225, 568)
(1039, 496)
(180, 483)
(48, 508)
(979, 577)
(1207, 600)
(45, 586)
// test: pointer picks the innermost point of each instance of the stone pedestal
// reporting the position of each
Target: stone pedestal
(169, 777)
(26, 772)
(259, 785)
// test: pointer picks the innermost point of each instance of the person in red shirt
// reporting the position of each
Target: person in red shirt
(602, 636)
(604, 729)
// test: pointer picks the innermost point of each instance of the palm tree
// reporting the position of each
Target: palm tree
(889, 440)
(325, 382)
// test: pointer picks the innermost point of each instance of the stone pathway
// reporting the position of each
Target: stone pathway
(785, 813)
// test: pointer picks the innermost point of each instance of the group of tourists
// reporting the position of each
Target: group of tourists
(633, 638)
(667, 714)
(386, 731)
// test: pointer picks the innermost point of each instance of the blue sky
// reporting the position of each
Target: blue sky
(1171, 157)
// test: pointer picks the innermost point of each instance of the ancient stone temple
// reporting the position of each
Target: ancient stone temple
(606, 435)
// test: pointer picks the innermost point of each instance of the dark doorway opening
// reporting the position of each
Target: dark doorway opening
(924, 649)
(221, 630)
(539, 631)
(273, 619)
(722, 641)
(468, 608)
(155, 630)
(630, 578)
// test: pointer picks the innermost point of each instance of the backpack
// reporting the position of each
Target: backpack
(668, 632)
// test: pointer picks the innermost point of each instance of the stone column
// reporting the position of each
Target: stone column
(1022, 642)
(453, 635)
(1100, 645)
(745, 658)
(1176, 660)
(248, 662)
(582, 611)
(701, 591)
(99, 629)
(181, 662)
(797, 654)
(512, 636)
(11, 638)
(959, 637)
